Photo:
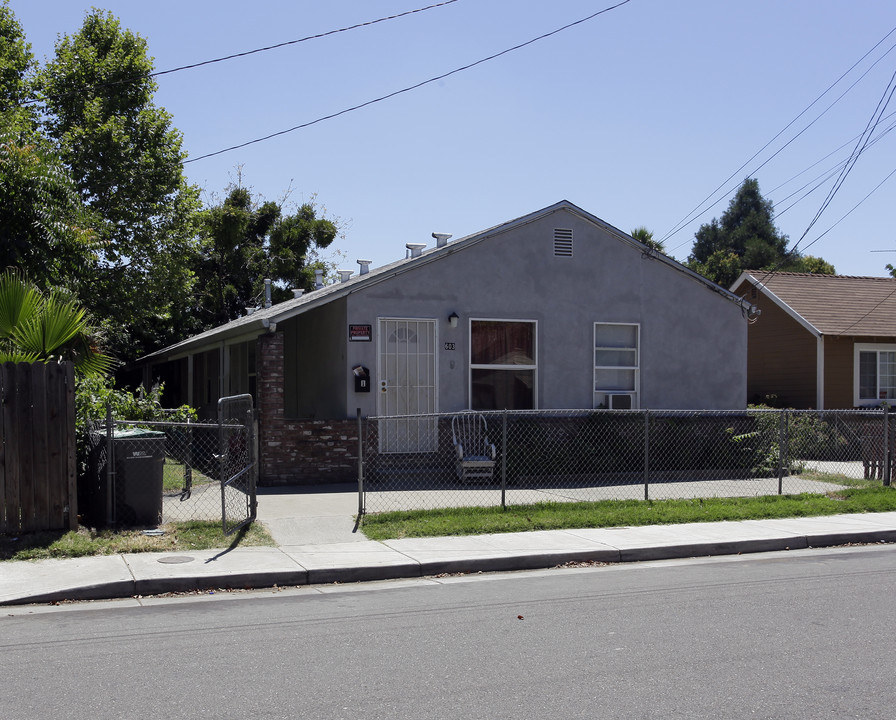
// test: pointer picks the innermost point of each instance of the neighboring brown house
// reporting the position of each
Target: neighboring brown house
(821, 341)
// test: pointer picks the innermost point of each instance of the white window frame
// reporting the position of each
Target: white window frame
(610, 393)
(472, 367)
(859, 348)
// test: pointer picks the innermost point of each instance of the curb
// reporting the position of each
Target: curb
(416, 569)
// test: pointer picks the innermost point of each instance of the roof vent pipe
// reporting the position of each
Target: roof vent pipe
(441, 239)
(297, 292)
(318, 279)
(267, 292)
(365, 266)
(415, 248)
(344, 274)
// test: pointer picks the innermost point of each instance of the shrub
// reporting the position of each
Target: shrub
(94, 394)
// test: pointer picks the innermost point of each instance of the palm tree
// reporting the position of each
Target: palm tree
(42, 328)
(643, 235)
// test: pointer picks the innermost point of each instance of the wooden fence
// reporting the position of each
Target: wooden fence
(38, 488)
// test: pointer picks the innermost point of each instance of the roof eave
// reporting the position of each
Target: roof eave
(240, 330)
(753, 280)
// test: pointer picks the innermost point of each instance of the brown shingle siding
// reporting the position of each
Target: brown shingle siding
(781, 358)
(838, 377)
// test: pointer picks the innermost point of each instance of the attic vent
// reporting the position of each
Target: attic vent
(562, 242)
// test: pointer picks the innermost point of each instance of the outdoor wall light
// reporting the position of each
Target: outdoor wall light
(452, 319)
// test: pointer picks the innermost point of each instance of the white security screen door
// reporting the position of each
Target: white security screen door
(407, 385)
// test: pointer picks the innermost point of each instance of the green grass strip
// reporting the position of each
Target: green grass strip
(182, 537)
(621, 513)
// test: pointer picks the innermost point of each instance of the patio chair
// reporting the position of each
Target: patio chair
(474, 454)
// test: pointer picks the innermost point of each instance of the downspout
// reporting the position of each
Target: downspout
(819, 372)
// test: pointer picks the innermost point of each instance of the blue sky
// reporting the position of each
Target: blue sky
(637, 115)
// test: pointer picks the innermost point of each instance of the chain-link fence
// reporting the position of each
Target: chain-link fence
(144, 473)
(510, 458)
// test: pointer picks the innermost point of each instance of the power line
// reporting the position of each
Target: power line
(860, 148)
(820, 180)
(693, 214)
(848, 165)
(843, 217)
(300, 40)
(158, 73)
(821, 160)
(889, 295)
(790, 253)
(859, 319)
(410, 87)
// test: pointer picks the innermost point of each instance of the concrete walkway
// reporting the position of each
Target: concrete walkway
(317, 543)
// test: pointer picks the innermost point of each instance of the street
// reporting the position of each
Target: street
(807, 634)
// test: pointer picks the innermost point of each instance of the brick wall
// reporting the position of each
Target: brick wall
(294, 451)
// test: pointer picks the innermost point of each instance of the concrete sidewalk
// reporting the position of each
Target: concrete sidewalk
(317, 543)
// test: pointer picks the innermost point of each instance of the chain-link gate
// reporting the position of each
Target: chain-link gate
(239, 469)
(148, 472)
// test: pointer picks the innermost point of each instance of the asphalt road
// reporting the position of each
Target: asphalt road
(807, 634)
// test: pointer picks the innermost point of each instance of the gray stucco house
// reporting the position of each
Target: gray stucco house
(556, 309)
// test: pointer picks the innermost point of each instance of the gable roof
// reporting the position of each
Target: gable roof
(830, 304)
(249, 326)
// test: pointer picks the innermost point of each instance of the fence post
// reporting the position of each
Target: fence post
(504, 460)
(188, 462)
(887, 449)
(782, 419)
(360, 464)
(222, 466)
(110, 467)
(71, 452)
(646, 453)
(253, 458)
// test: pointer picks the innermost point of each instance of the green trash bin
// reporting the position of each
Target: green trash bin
(139, 473)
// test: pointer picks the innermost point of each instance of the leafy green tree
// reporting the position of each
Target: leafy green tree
(746, 230)
(42, 228)
(811, 264)
(16, 63)
(722, 267)
(746, 238)
(94, 202)
(35, 327)
(126, 160)
(243, 242)
(643, 235)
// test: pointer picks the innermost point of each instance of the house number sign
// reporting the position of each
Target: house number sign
(449, 346)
